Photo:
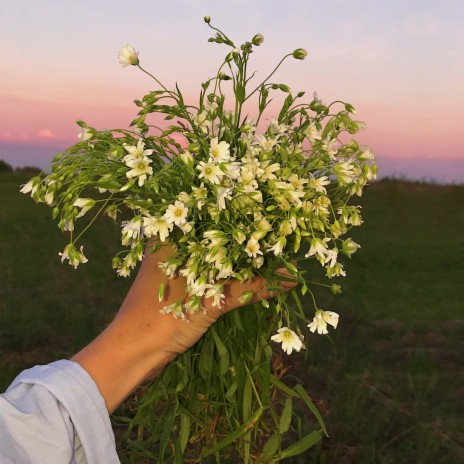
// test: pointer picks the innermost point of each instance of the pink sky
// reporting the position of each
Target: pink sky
(400, 65)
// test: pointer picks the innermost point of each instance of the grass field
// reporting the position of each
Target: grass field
(390, 383)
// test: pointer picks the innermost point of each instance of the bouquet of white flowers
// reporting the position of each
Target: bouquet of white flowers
(235, 198)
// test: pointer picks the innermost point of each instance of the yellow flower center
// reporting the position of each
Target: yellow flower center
(287, 334)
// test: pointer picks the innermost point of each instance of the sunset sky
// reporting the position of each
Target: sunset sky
(400, 63)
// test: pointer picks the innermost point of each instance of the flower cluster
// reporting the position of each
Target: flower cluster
(235, 199)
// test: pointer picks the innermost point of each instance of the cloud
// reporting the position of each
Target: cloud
(46, 134)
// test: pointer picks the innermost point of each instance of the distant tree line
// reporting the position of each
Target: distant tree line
(5, 167)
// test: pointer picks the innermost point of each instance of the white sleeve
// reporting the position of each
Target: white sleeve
(54, 414)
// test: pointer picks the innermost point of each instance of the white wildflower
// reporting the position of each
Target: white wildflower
(289, 339)
(186, 227)
(319, 183)
(321, 319)
(31, 187)
(210, 171)
(269, 170)
(174, 309)
(219, 151)
(225, 268)
(131, 230)
(128, 56)
(73, 256)
(223, 193)
(278, 246)
(318, 247)
(85, 203)
(313, 133)
(136, 153)
(331, 257)
(168, 268)
(215, 292)
(349, 247)
(140, 169)
(198, 287)
(275, 128)
(157, 225)
(252, 248)
(85, 134)
(266, 143)
(199, 194)
(176, 213)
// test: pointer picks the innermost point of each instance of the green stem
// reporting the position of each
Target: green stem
(270, 75)
(93, 219)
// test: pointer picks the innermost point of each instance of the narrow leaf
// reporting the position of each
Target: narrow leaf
(302, 445)
(235, 434)
(184, 431)
(286, 417)
(305, 397)
(224, 361)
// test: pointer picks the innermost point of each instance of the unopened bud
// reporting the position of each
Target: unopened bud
(258, 39)
(300, 54)
(187, 158)
(245, 297)
(350, 108)
(207, 19)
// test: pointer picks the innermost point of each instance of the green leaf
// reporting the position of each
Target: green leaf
(301, 446)
(305, 397)
(286, 417)
(184, 433)
(161, 290)
(235, 434)
(240, 93)
(283, 388)
(270, 448)
(178, 453)
(165, 436)
(247, 399)
(224, 361)
(230, 393)
(205, 363)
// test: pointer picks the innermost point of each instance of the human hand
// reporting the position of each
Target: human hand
(141, 340)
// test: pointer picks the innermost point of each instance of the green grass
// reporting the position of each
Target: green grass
(389, 383)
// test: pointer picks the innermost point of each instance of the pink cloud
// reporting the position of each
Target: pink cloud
(46, 134)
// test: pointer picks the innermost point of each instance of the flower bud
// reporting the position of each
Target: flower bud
(300, 54)
(207, 19)
(336, 289)
(257, 40)
(193, 147)
(350, 108)
(245, 297)
(187, 158)
(366, 155)
(239, 235)
(258, 234)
